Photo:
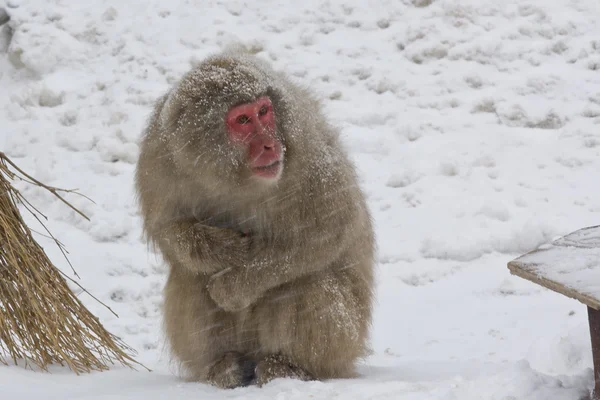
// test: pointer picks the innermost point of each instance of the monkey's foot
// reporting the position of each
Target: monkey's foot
(278, 366)
(231, 370)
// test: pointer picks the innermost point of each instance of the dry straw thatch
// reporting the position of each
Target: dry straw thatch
(42, 322)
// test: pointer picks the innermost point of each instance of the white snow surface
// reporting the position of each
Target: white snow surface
(474, 125)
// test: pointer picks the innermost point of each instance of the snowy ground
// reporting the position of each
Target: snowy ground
(475, 127)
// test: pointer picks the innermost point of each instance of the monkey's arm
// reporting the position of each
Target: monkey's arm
(287, 259)
(203, 249)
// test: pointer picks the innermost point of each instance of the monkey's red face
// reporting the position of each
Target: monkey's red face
(252, 125)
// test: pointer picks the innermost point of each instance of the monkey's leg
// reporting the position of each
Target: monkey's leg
(316, 327)
(279, 366)
(208, 342)
(231, 370)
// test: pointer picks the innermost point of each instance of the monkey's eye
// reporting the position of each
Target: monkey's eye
(263, 110)
(242, 119)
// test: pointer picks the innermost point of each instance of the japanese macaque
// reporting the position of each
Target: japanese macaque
(246, 191)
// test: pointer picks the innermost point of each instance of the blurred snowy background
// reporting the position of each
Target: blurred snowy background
(475, 126)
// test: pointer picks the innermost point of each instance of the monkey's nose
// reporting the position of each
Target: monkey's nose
(266, 137)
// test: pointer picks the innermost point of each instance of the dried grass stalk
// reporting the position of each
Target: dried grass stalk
(41, 320)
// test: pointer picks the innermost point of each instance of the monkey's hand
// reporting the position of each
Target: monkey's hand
(228, 292)
(225, 246)
(205, 249)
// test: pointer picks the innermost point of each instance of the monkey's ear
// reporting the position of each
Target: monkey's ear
(171, 109)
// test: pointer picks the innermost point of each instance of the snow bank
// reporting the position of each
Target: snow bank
(474, 126)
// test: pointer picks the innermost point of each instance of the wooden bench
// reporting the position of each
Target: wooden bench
(570, 266)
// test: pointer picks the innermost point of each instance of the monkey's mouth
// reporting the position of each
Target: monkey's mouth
(268, 171)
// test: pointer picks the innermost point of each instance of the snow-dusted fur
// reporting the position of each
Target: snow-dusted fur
(282, 269)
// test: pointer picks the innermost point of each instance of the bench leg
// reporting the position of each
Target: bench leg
(594, 319)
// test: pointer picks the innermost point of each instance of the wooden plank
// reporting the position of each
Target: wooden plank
(518, 270)
(569, 266)
(594, 318)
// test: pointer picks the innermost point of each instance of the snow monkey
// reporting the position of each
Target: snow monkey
(247, 193)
